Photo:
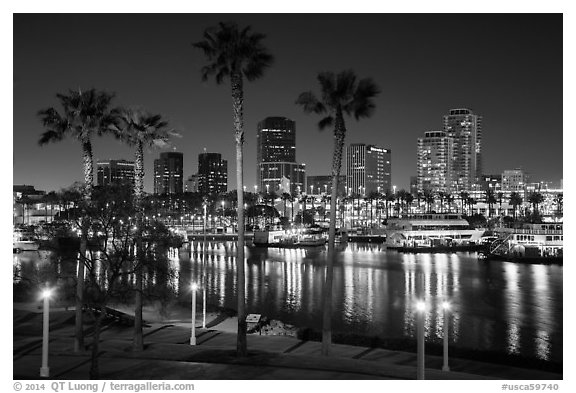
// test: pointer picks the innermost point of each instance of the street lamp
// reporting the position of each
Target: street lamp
(311, 189)
(221, 218)
(446, 309)
(194, 287)
(420, 312)
(325, 188)
(204, 273)
(44, 369)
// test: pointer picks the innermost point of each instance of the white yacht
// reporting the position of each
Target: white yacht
(431, 230)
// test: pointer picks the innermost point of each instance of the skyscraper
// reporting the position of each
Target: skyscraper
(434, 169)
(368, 168)
(212, 173)
(276, 140)
(276, 166)
(466, 162)
(168, 173)
(114, 172)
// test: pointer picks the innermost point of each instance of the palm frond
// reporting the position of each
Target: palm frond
(310, 103)
(50, 136)
(325, 122)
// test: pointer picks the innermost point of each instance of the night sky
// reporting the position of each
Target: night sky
(507, 68)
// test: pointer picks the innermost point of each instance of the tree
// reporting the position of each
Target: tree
(140, 129)
(515, 200)
(490, 200)
(110, 262)
(535, 198)
(236, 54)
(341, 94)
(429, 200)
(463, 198)
(84, 114)
(285, 197)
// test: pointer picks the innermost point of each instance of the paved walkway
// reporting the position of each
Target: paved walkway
(168, 355)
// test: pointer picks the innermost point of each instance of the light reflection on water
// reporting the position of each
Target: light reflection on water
(495, 305)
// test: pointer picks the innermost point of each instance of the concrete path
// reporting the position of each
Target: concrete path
(168, 355)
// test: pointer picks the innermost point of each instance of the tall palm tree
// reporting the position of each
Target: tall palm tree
(285, 198)
(140, 129)
(490, 200)
(236, 54)
(535, 198)
(463, 198)
(84, 114)
(341, 94)
(429, 200)
(515, 200)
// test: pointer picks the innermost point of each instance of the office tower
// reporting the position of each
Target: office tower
(191, 184)
(514, 180)
(282, 177)
(491, 182)
(168, 177)
(466, 162)
(276, 166)
(368, 169)
(276, 140)
(434, 171)
(212, 173)
(323, 184)
(114, 172)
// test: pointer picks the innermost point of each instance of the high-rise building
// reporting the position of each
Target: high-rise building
(276, 140)
(434, 171)
(276, 166)
(212, 173)
(114, 172)
(191, 184)
(282, 177)
(368, 169)
(466, 161)
(323, 184)
(514, 180)
(168, 173)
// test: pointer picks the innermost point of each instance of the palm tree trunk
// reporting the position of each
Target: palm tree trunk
(138, 343)
(88, 181)
(339, 136)
(237, 107)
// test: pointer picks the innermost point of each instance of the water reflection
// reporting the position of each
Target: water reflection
(495, 305)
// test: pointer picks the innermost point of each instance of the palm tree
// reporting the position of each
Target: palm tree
(140, 129)
(285, 197)
(500, 198)
(535, 198)
(449, 199)
(490, 200)
(236, 54)
(515, 200)
(428, 199)
(84, 115)
(341, 95)
(409, 198)
(463, 198)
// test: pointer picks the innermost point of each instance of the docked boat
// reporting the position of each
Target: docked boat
(430, 232)
(24, 240)
(531, 243)
(288, 238)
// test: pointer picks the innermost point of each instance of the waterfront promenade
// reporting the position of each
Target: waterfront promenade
(169, 356)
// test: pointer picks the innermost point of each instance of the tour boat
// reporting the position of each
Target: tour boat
(532, 243)
(430, 231)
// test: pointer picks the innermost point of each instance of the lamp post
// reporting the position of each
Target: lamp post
(420, 312)
(325, 188)
(194, 286)
(44, 369)
(222, 217)
(311, 189)
(446, 312)
(204, 274)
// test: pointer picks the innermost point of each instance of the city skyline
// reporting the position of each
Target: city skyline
(519, 61)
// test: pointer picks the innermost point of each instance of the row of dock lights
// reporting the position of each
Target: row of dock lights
(420, 337)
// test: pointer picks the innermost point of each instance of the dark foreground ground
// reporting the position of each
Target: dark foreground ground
(168, 355)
